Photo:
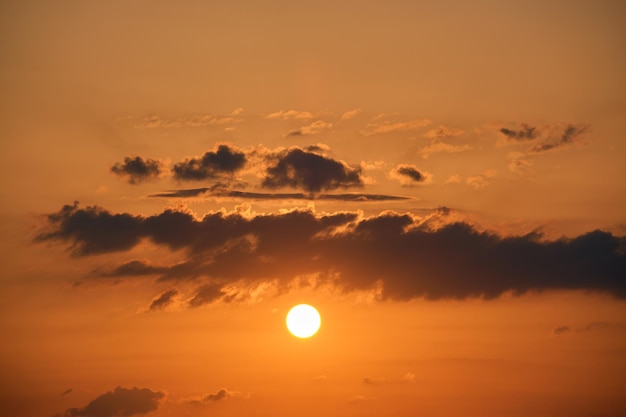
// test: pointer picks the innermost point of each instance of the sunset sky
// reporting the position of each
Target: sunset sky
(442, 180)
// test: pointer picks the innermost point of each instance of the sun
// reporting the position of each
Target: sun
(303, 321)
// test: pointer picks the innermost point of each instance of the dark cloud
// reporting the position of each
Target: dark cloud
(220, 395)
(560, 330)
(400, 251)
(92, 230)
(206, 295)
(121, 402)
(408, 174)
(524, 133)
(136, 169)
(135, 268)
(225, 160)
(310, 171)
(220, 192)
(163, 300)
(67, 392)
(569, 134)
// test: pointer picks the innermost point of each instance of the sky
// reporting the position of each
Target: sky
(443, 181)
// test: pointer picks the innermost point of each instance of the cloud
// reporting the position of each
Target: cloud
(290, 115)
(298, 168)
(225, 160)
(560, 330)
(350, 114)
(442, 132)
(369, 380)
(163, 300)
(93, 230)
(377, 126)
(133, 269)
(121, 402)
(568, 135)
(359, 399)
(404, 255)
(409, 377)
(481, 181)
(409, 175)
(135, 169)
(441, 147)
(220, 395)
(519, 163)
(594, 325)
(311, 129)
(206, 295)
(196, 120)
(454, 179)
(525, 132)
(222, 192)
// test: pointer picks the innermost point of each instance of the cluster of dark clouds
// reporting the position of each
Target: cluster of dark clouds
(121, 402)
(405, 255)
(307, 169)
(547, 138)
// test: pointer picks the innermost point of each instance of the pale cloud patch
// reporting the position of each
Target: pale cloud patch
(441, 147)
(314, 128)
(357, 399)
(378, 126)
(373, 165)
(290, 115)
(442, 132)
(481, 181)
(196, 120)
(518, 163)
(350, 114)
(409, 377)
(454, 179)
(374, 380)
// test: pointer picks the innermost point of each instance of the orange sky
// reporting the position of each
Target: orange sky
(442, 180)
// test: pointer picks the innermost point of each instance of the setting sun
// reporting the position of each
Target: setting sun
(303, 321)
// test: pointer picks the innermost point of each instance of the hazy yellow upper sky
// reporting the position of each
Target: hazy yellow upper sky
(442, 180)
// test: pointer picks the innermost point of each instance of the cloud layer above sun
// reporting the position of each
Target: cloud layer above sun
(406, 256)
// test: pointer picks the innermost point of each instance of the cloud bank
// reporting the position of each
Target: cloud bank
(405, 255)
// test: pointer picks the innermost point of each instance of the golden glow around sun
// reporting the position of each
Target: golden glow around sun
(303, 321)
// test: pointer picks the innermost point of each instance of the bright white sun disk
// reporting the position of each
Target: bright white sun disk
(303, 320)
